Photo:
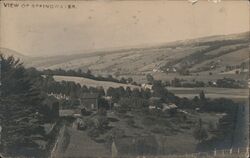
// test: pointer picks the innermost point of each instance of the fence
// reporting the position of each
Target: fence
(226, 153)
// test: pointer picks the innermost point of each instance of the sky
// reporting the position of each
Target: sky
(96, 25)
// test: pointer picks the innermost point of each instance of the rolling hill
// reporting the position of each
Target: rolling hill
(199, 56)
(9, 52)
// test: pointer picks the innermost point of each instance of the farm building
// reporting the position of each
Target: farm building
(69, 112)
(90, 101)
(169, 107)
(73, 112)
(147, 86)
(155, 103)
(171, 69)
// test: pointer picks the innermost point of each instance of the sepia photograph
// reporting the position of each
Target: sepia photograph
(124, 78)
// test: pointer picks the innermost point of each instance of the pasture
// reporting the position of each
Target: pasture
(92, 83)
(211, 92)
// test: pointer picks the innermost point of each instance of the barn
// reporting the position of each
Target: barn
(90, 101)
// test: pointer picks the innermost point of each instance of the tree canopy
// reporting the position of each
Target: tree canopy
(20, 109)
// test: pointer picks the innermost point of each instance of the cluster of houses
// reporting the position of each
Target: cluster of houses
(90, 102)
(157, 70)
(156, 104)
(168, 70)
(171, 70)
(59, 96)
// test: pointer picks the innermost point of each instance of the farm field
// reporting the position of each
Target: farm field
(92, 83)
(211, 92)
(203, 76)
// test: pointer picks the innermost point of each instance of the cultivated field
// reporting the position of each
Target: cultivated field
(92, 83)
(211, 92)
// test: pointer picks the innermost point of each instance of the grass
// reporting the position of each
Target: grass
(92, 83)
(172, 135)
(81, 145)
(211, 92)
(137, 62)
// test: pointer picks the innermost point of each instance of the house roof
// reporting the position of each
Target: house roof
(90, 95)
(169, 106)
(66, 112)
(155, 98)
(69, 112)
(172, 106)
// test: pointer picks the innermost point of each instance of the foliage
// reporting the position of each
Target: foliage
(229, 83)
(133, 103)
(160, 91)
(131, 122)
(150, 78)
(220, 105)
(20, 109)
(200, 133)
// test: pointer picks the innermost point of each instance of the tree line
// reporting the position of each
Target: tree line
(137, 97)
(219, 83)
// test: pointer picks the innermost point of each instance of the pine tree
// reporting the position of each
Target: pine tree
(202, 96)
(20, 106)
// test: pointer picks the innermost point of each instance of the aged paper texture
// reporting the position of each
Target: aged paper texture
(124, 79)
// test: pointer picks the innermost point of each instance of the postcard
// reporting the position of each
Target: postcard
(124, 79)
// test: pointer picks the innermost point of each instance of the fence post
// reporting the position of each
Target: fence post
(231, 151)
(247, 152)
(215, 152)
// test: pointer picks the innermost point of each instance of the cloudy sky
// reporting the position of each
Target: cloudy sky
(109, 24)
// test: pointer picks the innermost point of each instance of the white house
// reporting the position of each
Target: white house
(171, 69)
(151, 107)
(146, 86)
(170, 106)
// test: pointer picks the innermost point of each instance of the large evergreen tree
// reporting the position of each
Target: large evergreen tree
(20, 106)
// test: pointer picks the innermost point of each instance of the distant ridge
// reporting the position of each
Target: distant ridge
(10, 52)
(79, 53)
(145, 58)
(245, 35)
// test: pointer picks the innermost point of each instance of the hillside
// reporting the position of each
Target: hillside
(148, 133)
(9, 52)
(220, 55)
